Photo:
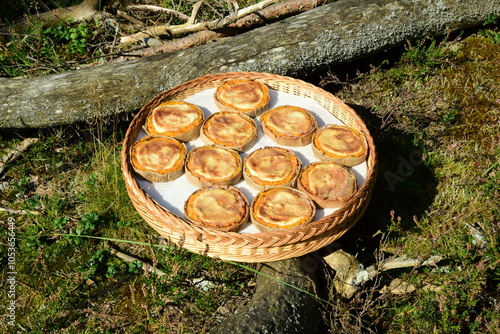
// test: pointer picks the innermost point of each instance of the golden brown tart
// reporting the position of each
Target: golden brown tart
(212, 165)
(289, 125)
(223, 208)
(158, 159)
(280, 208)
(247, 96)
(229, 129)
(329, 184)
(339, 143)
(176, 119)
(271, 166)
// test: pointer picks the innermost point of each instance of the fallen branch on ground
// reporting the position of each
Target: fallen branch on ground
(349, 273)
(129, 259)
(401, 262)
(189, 28)
(16, 152)
(157, 9)
(194, 39)
(271, 13)
(18, 212)
(194, 12)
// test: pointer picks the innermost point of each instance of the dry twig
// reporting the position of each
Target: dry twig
(350, 274)
(16, 152)
(129, 259)
(18, 212)
(157, 9)
(132, 19)
(194, 12)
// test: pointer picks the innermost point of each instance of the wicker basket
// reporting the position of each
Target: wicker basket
(246, 247)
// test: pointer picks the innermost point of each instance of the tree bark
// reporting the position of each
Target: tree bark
(298, 46)
(282, 302)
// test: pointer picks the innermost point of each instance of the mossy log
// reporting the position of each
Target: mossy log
(301, 45)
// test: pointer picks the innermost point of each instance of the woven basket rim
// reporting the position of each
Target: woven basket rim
(184, 233)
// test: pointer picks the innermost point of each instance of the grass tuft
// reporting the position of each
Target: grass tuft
(442, 96)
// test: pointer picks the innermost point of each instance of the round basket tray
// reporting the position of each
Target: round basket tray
(250, 247)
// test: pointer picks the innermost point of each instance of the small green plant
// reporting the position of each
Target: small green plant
(492, 20)
(100, 264)
(74, 37)
(450, 117)
(134, 267)
(21, 186)
(60, 223)
(112, 269)
(124, 224)
(45, 50)
(424, 56)
(93, 178)
(87, 223)
(94, 264)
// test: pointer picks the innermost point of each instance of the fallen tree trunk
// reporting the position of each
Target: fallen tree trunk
(300, 45)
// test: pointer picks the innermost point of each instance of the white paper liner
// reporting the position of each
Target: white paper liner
(172, 195)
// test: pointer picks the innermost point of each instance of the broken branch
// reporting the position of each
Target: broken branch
(129, 259)
(18, 212)
(157, 9)
(16, 152)
(125, 16)
(196, 8)
(191, 28)
(349, 273)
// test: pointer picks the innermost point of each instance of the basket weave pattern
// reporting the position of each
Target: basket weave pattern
(244, 247)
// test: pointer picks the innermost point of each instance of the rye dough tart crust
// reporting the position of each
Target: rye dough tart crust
(229, 129)
(176, 119)
(341, 144)
(271, 166)
(329, 184)
(223, 208)
(212, 165)
(281, 208)
(247, 96)
(158, 159)
(289, 125)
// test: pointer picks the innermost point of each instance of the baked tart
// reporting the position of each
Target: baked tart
(158, 159)
(247, 96)
(271, 166)
(329, 184)
(341, 144)
(212, 165)
(223, 208)
(281, 208)
(229, 129)
(289, 125)
(176, 119)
